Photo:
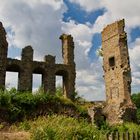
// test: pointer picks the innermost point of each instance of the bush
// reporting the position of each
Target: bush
(136, 100)
(21, 105)
(5, 98)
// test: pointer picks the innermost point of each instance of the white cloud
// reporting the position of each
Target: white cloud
(39, 23)
(89, 80)
(135, 66)
(34, 22)
(134, 51)
(124, 9)
(90, 83)
(115, 10)
(102, 21)
(10, 83)
(82, 37)
(55, 4)
(88, 5)
(36, 81)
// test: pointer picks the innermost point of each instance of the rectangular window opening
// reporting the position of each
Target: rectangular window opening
(11, 80)
(112, 61)
(37, 83)
(59, 85)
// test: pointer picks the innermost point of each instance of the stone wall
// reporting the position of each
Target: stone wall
(3, 55)
(26, 67)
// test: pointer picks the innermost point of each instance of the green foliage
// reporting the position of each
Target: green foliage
(25, 125)
(83, 111)
(26, 105)
(40, 89)
(99, 52)
(138, 114)
(5, 98)
(104, 127)
(136, 100)
(75, 97)
(58, 127)
(132, 127)
(59, 91)
(22, 105)
(125, 127)
(44, 134)
(63, 128)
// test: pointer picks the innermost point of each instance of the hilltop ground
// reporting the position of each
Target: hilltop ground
(25, 116)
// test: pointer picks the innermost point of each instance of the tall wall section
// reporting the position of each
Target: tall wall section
(117, 73)
(3, 55)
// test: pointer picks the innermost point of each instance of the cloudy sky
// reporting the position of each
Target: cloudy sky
(41, 22)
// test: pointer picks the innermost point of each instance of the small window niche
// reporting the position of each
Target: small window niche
(112, 61)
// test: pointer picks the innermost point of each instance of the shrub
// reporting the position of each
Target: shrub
(5, 98)
(21, 105)
(136, 100)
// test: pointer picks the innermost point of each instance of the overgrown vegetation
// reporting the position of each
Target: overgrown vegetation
(16, 106)
(58, 127)
(48, 117)
(136, 100)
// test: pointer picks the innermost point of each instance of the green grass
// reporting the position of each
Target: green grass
(47, 117)
(59, 127)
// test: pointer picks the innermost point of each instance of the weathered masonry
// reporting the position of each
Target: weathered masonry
(48, 69)
(117, 74)
(118, 107)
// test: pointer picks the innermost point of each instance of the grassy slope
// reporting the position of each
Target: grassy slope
(16, 106)
(44, 117)
(59, 127)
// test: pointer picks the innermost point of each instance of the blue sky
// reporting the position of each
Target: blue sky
(75, 12)
(135, 33)
(40, 23)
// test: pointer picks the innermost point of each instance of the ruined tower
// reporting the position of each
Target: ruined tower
(117, 74)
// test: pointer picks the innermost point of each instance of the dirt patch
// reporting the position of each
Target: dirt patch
(14, 135)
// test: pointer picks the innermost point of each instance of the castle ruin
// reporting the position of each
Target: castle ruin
(117, 74)
(118, 107)
(26, 67)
